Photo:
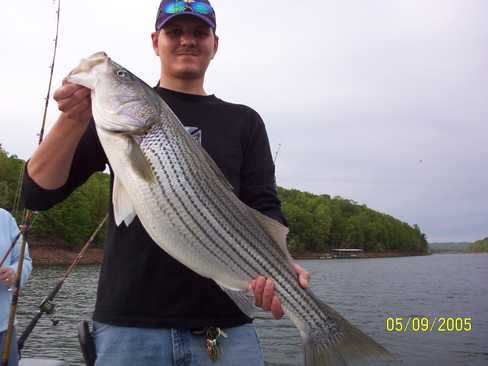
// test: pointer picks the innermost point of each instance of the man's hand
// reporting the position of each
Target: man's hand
(7, 276)
(263, 289)
(74, 101)
(50, 164)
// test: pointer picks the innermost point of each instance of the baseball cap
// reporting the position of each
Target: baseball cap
(168, 9)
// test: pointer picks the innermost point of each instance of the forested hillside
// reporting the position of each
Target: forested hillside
(317, 222)
(479, 246)
(320, 223)
(69, 223)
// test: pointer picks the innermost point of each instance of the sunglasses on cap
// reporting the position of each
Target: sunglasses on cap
(182, 6)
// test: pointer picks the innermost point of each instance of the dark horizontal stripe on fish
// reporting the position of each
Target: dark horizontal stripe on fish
(184, 223)
(190, 240)
(296, 305)
(215, 230)
(217, 196)
(319, 316)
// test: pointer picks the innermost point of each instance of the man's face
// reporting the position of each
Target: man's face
(185, 45)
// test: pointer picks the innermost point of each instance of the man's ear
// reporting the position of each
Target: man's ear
(216, 44)
(155, 42)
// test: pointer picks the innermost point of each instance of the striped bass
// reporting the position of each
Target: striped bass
(187, 206)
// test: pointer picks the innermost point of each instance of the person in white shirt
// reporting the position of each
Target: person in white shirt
(8, 233)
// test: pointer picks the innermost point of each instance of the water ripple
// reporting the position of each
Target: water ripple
(365, 291)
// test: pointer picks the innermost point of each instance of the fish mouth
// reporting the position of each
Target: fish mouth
(81, 74)
(88, 63)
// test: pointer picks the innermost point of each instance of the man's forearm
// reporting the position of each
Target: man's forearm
(50, 165)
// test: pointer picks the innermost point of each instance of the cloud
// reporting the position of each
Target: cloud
(382, 102)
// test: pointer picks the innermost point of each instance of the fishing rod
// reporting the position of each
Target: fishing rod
(10, 249)
(274, 162)
(16, 291)
(16, 204)
(276, 154)
(22, 229)
(46, 306)
(27, 217)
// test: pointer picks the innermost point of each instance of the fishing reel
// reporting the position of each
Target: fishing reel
(49, 308)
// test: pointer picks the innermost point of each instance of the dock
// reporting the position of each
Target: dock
(346, 253)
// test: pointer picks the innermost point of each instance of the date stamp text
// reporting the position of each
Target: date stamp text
(428, 324)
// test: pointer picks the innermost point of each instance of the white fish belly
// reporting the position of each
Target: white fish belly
(165, 209)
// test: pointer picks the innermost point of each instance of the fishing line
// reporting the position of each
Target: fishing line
(46, 306)
(27, 217)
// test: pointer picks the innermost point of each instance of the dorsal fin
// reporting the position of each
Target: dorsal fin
(215, 168)
(277, 231)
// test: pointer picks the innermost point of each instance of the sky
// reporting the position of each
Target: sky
(381, 102)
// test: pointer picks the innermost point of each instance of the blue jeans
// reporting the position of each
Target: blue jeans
(129, 346)
(13, 359)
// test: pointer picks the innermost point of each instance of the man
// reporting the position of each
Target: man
(8, 233)
(150, 309)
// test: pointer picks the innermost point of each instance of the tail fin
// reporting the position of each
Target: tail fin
(351, 347)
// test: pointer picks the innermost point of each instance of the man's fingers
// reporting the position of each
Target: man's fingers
(75, 107)
(303, 276)
(83, 109)
(67, 104)
(69, 89)
(304, 279)
(268, 294)
(298, 268)
(6, 274)
(265, 297)
(258, 290)
(276, 308)
(82, 93)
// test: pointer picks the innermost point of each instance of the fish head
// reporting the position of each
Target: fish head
(121, 102)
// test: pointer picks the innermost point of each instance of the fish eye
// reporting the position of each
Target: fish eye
(122, 73)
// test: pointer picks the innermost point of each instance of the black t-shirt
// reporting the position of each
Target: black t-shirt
(141, 285)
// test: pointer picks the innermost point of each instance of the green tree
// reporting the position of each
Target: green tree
(317, 222)
(479, 246)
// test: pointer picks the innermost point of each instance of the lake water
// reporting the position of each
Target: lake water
(365, 291)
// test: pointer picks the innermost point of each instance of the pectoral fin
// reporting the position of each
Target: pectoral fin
(139, 162)
(123, 208)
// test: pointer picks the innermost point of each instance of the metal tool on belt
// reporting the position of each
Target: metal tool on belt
(212, 334)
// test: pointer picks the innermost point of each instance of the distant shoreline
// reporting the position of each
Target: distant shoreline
(327, 255)
(46, 255)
